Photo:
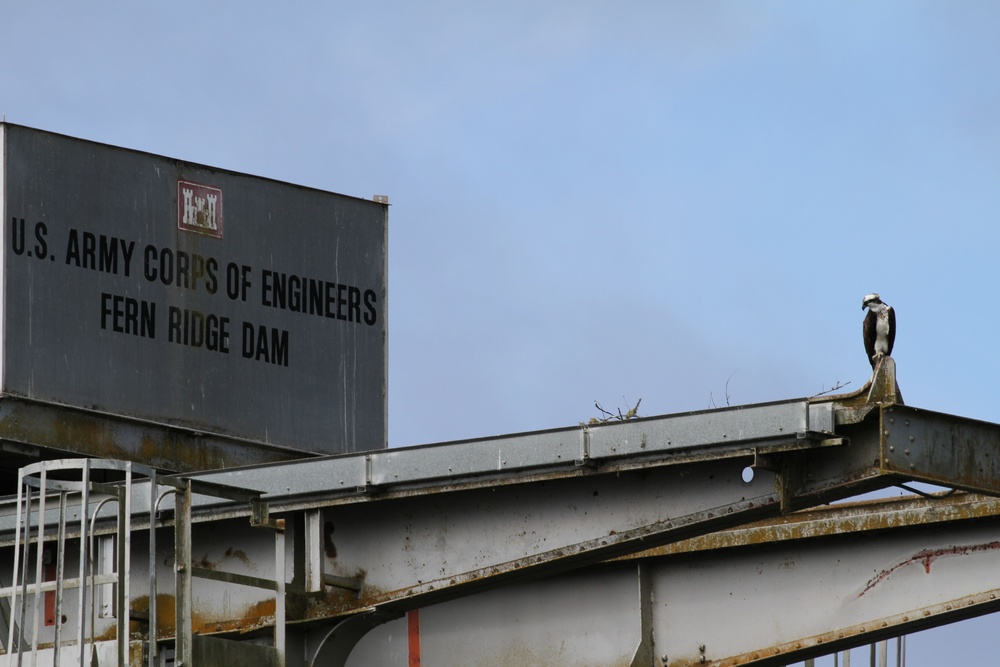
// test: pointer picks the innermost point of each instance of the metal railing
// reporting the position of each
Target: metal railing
(74, 606)
(58, 504)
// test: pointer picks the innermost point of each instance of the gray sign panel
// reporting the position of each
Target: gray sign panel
(173, 292)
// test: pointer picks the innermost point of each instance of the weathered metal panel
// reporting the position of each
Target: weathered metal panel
(431, 546)
(856, 588)
(586, 619)
(218, 606)
(478, 457)
(179, 293)
(710, 428)
(551, 453)
(36, 430)
(842, 518)
(941, 449)
(878, 569)
(867, 571)
(388, 548)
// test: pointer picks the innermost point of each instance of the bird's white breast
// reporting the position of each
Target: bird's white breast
(882, 333)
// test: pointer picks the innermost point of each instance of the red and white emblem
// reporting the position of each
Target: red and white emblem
(199, 209)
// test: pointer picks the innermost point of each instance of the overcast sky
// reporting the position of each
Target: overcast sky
(678, 202)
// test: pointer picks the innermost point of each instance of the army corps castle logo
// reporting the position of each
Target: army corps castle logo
(199, 209)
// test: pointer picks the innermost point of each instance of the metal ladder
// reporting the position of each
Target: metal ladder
(63, 507)
(58, 505)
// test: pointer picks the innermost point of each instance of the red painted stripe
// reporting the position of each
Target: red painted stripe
(413, 632)
(49, 574)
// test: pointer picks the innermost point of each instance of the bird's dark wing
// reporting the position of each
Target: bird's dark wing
(869, 332)
(892, 329)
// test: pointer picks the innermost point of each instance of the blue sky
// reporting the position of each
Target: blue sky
(672, 201)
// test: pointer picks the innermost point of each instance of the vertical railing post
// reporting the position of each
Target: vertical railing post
(60, 575)
(39, 549)
(260, 518)
(25, 557)
(124, 565)
(13, 646)
(84, 554)
(182, 567)
(279, 602)
(153, 628)
(313, 551)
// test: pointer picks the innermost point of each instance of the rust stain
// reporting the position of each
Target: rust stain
(240, 555)
(928, 556)
(165, 612)
(259, 614)
(135, 630)
(100, 438)
(107, 635)
(861, 517)
(328, 546)
(114, 436)
(340, 601)
(794, 652)
(254, 616)
(204, 563)
(337, 602)
(230, 554)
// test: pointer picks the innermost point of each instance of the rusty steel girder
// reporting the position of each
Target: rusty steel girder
(373, 536)
(772, 593)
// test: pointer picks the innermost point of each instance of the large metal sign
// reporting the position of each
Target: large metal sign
(178, 293)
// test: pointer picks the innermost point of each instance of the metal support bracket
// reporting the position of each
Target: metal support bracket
(260, 516)
(585, 460)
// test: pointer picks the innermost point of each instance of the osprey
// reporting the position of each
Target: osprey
(879, 328)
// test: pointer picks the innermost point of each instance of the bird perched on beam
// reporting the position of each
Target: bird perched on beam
(879, 328)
